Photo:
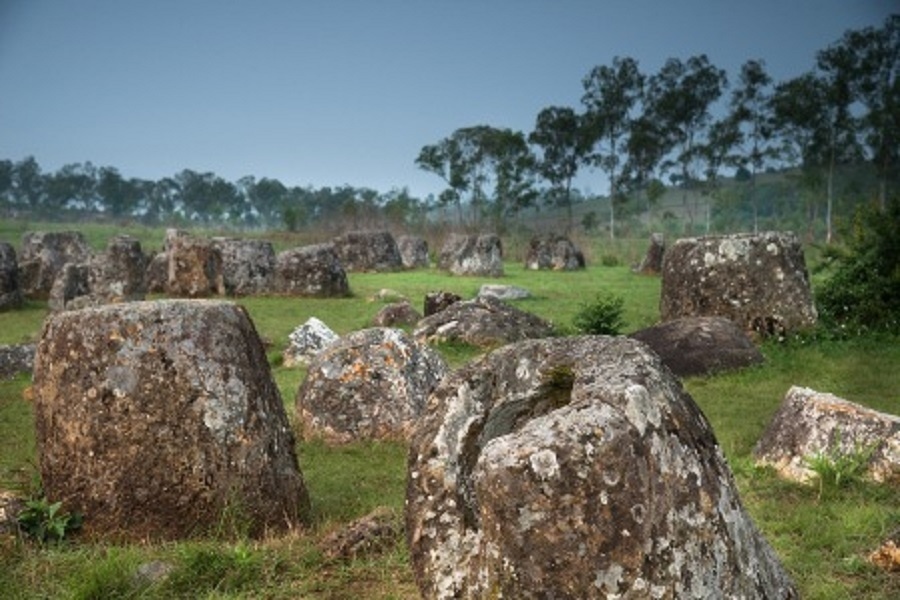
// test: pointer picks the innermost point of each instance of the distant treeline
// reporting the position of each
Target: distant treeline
(804, 150)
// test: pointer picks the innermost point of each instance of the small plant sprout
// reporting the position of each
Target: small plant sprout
(47, 522)
(836, 468)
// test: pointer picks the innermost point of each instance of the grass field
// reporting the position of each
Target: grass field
(822, 538)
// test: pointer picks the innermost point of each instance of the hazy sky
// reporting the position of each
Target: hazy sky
(333, 92)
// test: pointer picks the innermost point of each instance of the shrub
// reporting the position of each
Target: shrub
(46, 522)
(602, 316)
(863, 293)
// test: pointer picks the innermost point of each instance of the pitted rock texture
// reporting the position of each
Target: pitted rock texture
(43, 256)
(395, 314)
(758, 281)
(484, 321)
(701, 345)
(194, 268)
(810, 423)
(155, 418)
(361, 251)
(117, 274)
(577, 468)
(479, 255)
(248, 266)
(311, 271)
(306, 341)
(10, 285)
(554, 252)
(413, 252)
(652, 262)
(370, 384)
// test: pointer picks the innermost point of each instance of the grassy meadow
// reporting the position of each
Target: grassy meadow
(822, 535)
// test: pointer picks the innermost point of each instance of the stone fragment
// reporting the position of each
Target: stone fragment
(306, 341)
(478, 255)
(10, 285)
(652, 262)
(311, 271)
(810, 424)
(361, 251)
(554, 252)
(413, 252)
(700, 345)
(194, 268)
(484, 321)
(248, 266)
(387, 295)
(370, 384)
(43, 256)
(435, 302)
(503, 292)
(365, 536)
(396, 314)
(11, 506)
(577, 468)
(157, 420)
(758, 281)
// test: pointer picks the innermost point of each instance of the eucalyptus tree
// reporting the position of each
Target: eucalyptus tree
(679, 100)
(28, 184)
(74, 185)
(751, 125)
(716, 152)
(491, 165)
(611, 96)
(559, 133)
(870, 59)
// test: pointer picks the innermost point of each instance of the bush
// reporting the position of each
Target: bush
(863, 293)
(603, 316)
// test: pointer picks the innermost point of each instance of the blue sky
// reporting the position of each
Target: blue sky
(333, 92)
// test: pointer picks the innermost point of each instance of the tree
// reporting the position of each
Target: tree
(118, 196)
(678, 100)
(611, 94)
(558, 132)
(28, 183)
(73, 186)
(871, 60)
(751, 113)
(490, 164)
(716, 153)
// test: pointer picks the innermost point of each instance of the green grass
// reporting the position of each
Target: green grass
(822, 539)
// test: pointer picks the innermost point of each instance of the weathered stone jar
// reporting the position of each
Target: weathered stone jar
(155, 418)
(577, 468)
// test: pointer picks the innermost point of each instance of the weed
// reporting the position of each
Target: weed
(45, 522)
(603, 316)
(836, 468)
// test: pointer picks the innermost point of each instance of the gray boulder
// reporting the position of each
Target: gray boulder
(758, 281)
(361, 251)
(370, 384)
(413, 252)
(15, 359)
(554, 252)
(479, 255)
(435, 302)
(484, 321)
(306, 341)
(701, 345)
(194, 267)
(577, 468)
(503, 292)
(395, 314)
(810, 424)
(248, 266)
(311, 271)
(43, 256)
(71, 288)
(652, 262)
(117, 274)
(10, 286)
(154, 419)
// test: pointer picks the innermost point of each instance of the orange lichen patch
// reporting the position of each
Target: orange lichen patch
(887, 557)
